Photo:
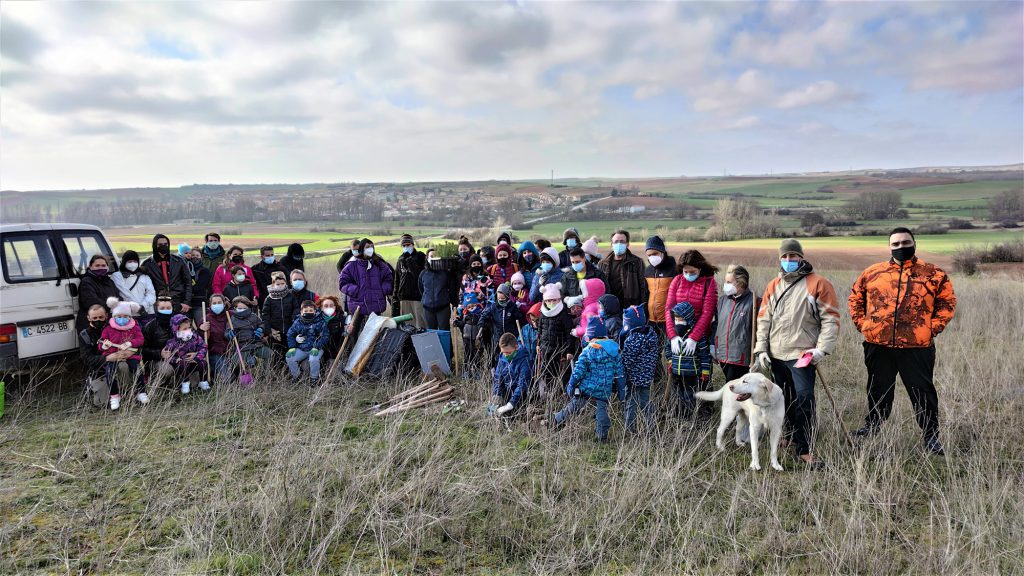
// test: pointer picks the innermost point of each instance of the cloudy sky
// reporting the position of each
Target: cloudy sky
(165, 94)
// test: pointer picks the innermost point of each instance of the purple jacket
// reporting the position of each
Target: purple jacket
(366, 288)
(179, 348)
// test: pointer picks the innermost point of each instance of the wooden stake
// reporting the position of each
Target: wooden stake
(436, 395)
(344, 344)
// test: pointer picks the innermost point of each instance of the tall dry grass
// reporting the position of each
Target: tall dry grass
(264, 482)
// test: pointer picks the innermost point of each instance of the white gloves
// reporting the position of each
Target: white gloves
(712, 351)
(300, 338)
(571, 301)
(677, 344)
(689, 346)
(506, 408)
(816, 355)
(762, 361)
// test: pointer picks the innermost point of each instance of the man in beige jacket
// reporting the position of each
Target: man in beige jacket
(799, 315)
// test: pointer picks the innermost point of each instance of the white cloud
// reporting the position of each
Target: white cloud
(820, 92)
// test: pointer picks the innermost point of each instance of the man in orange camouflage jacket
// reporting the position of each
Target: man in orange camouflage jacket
(900, 306)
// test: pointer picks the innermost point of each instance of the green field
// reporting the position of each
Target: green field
(937, 243)
(964, 195)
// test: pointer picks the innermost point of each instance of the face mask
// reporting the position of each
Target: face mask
(690, 277)
(99, 271)
(550, 305)
(570, 243)
(465, 254)
(329, 312)
(903, 254)
(579, 266)
(503, 261)
(368, 252)
(355, 251)
(601, 313)
(164, 249)
(655, 260)
(528, 256)
(517, 286)
(509, 357)
(268, 259)
(132, 266)
(96, 323)
(619, 248)
(476, 269)
(308, 315)
(407, 249)
(239, 278)
(546, 266)
(502, 300)
(241, 309)
(682, 329)
(185, 335)
(789, 265)
(213, 245)
(484, 259)
(298, 285)
(729, 288)
(122, 321)
(164, 312)
(237, 259)
(216, 308)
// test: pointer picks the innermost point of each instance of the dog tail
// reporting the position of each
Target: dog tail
(714, 396)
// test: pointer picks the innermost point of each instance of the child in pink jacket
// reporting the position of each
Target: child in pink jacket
(121, 341)
(592, 290)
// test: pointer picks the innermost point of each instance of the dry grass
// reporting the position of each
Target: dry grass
(261, 482)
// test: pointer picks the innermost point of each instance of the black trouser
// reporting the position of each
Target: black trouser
(555, 372)
(687, 386)
(733, 371)
(798, 387)
(915, 367)
(438, 318)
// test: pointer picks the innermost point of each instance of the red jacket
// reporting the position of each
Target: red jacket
(702, 295)
(222, 277)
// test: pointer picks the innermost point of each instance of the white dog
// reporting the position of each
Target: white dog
(753, 401)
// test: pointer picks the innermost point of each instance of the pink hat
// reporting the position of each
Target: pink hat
(590, 247)
(552, 291)
(518, 276)
(552, 253)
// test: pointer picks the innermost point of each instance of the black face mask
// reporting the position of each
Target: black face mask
(237, 259)
(163, 250)
(308, 315)
(465, 255)
(477, 270)
(96, 323)
(903, 254)
(503, 261)
(682, 329)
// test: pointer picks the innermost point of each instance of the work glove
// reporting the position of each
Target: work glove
(573, 301)
(506, 408)
(258, 332)
(689, 346)
(713, 350)
(300, 338)
(314, 352)
(229, 334)
(762, 361)
(290, 353)
(816, 355)
(677, 345)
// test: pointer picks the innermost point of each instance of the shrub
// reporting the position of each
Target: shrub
(931, 228)
(1007, 224)
(819, 231)
(717, 234)
(966, 259)
(1012, 251)
(960, 224)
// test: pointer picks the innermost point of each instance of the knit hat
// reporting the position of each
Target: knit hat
(684, 310)
(610, 303)
(590, 247)
(122, 308)
(596, 328)
(656, 243)
(633, 317)
(551, 291)
(534, 310)
(184, 248)
(470, 297)
(518, 276)
(129, 256)
(505, 237)
(503, 246)
(570, 231)
(406, 239)
(791, 245)
(551, 253)
(505, 289)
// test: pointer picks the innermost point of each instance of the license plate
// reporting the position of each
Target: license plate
(45, 329)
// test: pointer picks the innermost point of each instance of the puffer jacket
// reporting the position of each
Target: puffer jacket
(222, 277)
(156, 334)
(612, 315)
(701, 294)
(313, 333)
(279, 312)
(658, 281)
(136, 288)
(512, 377)
(554, 334)
(571, 281)
(698, 363)
(169, 275)
(734, 337)
(179, 348)
(121, 334)
(366, 288)
(598, 371)
(245, 325)
(232, 290)
(640, 356)
(94, 290)
(630, 287)
(407, 275)
(902, 305)
(540, 280)
(218, 344)
(503, 319)
(799, 311)
(439, 288)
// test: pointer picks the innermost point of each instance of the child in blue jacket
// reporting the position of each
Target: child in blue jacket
(597, 374)
(640, 361)
(512, 377)
(610, 311)
(306, 340)
(690, 373)
(500, 317)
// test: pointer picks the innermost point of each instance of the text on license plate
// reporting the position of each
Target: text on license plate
(44, 329)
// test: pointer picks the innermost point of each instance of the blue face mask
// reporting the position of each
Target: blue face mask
(164, 312)
(216, 308)
(579, 266)
(602, 313)
(690, 277)
(484, 259)
(298, 284)
(407, 249)
(122, 321)
(789, 265)
(570, 243)
(546, 266)
(619, 248)
(268, 259)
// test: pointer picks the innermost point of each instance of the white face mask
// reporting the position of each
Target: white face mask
(185, 335)
(239, 278)
(132, 266)
(241, 309)
(654, 260)
(368, 252)
(517, 286)
(729, 288)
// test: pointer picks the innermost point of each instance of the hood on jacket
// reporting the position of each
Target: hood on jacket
(178, 320)
(610, 303)
(503, 246)
(133, 256)
(572, 232)
(606, 345)
(592, 290)
(296, 251)
(527, 245)
(153, 245)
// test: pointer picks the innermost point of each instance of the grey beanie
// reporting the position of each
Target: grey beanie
(791, 245)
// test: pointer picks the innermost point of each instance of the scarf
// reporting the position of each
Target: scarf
(551, 313)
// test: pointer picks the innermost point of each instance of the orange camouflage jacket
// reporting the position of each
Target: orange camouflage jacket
(902, 306)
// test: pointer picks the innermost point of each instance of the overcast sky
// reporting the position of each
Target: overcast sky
(165, 94)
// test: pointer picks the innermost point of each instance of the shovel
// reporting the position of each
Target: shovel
(244, 377)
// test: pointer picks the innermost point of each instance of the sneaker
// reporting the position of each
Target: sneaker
(185, 387)
(115, 401)
(864, 432)
(204, 386)
(934, 446)
(143, 398)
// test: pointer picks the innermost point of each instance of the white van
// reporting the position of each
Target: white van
(42, 266)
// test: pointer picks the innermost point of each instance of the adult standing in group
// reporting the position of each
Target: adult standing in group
(570, 239)
(213, 252)
(262, 271)
(95, 287)
(408, 298)
(169, 275)
(579, 270)
(659, 273)
(366, 281)
(733, 342)
(224, 275)
(900, 306)
(799, 315)
(347, 255)
(440, 288)
(695, 284)
(295, 258)
(624, 272)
